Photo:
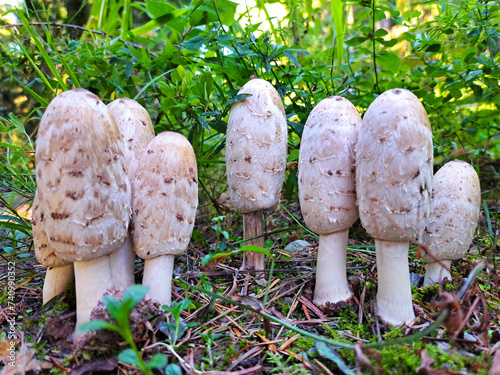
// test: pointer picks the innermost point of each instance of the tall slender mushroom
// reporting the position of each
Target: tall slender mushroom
(165, 198)
(59, 272)
(83, 184)
(456, 199)
(256, 147)
(394, 160)
(327, 191)
(137, 130)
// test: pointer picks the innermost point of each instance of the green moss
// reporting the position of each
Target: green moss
(393, 333)
(405, 359)
(425, 294)
(228, 353)
(304, 343)
(285, 308)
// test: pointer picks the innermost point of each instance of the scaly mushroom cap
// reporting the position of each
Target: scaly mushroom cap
(327, 190)
(456, 199)
(81, 174)
(136, 127)
(43, 251)
(394, 167)
(256, 147)
(165, 197)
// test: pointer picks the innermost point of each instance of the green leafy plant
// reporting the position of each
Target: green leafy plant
(120, 312)
(209, 337)
(177, 328)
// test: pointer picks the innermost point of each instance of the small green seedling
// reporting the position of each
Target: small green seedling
(176, 329)
(120, 312)
(209, 339)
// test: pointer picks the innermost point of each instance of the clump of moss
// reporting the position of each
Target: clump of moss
(304, 343)
(405, 359)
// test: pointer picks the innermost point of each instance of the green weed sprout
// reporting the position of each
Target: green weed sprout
(177, 328)
(120, 312)
(209, 339)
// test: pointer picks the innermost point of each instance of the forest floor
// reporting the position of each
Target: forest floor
(236, 335)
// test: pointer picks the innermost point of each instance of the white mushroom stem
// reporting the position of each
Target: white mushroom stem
(122, 265)
(56, 280)
(158, 277)
(93, 279)
(394, 299)
(252, 227)
(331, 281)
(437, 271)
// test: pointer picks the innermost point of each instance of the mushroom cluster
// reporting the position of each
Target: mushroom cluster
(83, 193)
(94, 206)
(88, 180)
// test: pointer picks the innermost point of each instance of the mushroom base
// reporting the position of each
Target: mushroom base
(331, 280)
(122, 264)
(93, 279)
(252, 227)
(158, 277)
(56, 280)
(394, 299)
(436, 272)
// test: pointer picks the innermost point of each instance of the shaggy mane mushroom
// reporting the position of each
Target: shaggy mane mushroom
(394, 160)
(327, 191)
(256, 147)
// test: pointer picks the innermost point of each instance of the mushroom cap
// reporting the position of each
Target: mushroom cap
(81, 177)
(327, 189)
(456, 200)
(136, 128)
(256, 147)
(165, 196)
(394, 160)
(44, 252)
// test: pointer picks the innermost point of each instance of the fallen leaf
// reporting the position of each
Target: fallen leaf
(23, 361)
(95, 366)
(6, 346)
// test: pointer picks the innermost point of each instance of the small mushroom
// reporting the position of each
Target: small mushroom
(59, 272)
(394, 160)
(256, 147)
(327, 191)
(82, 182)
(164, 200)
(456, 199)
(137, 130)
